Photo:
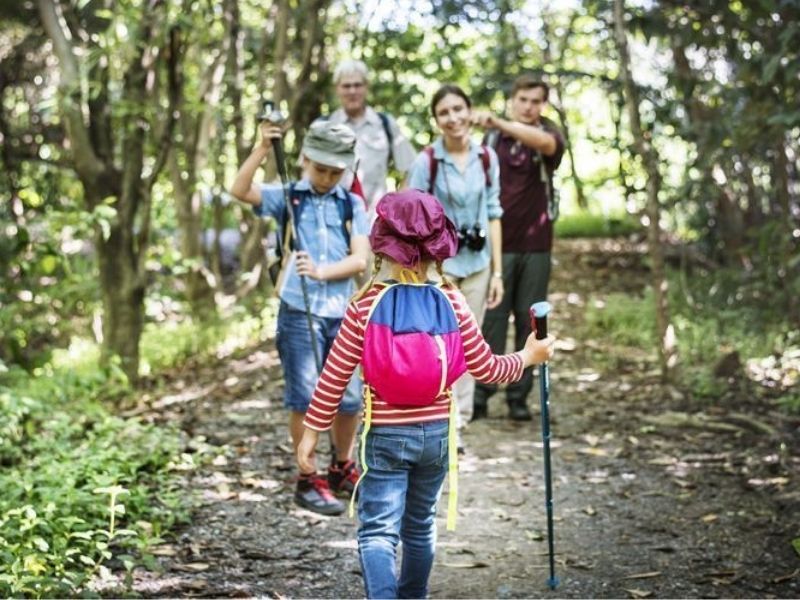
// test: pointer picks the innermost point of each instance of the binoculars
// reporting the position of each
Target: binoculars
(473, 237)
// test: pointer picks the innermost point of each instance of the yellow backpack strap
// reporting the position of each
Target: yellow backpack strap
(452, 452)
(362, 451)
(408, 276)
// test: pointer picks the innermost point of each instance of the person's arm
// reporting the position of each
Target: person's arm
(243, 188)
(352, 264)
(530, 135)
(496, 280)
(494, 211)
(486, 366)
(344, 357)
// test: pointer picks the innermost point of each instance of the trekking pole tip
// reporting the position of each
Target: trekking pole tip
(552, 582)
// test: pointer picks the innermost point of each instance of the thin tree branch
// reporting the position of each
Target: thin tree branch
(86, 160)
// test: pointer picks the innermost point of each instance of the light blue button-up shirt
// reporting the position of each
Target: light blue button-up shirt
(322, 236)
(465, 197)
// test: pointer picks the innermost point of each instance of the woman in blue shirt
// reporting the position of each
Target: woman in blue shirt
(464, 176)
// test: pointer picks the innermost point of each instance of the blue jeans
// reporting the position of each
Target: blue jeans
(297, 358)
(397, 502)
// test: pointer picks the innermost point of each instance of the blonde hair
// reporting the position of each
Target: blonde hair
(445, 281)
(376, 266)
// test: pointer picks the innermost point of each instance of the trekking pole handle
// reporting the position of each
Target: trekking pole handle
(539, 312)
(273, 115)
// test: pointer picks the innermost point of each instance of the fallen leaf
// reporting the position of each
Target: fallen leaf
(591, 439)
(194, 567)
(534, 536)
(469, 565)
(710, 518)
(589, 510)
(682, 483)
(196, 584)
(593, 451)
(164, 551)
(637, 593)
(647, 575)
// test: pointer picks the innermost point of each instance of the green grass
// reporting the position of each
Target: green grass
(590, 225)
(706, 328)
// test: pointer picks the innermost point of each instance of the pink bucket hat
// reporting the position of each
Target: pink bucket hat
(411, 226)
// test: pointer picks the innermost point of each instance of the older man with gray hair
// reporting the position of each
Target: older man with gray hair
(378, 138)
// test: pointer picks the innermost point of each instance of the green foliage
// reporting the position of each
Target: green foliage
(623, 320)
(591, 225)
(78, 483)
(709, 323)
(166, 344)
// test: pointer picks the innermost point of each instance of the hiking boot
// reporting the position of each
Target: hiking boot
(314, 494)
(518, 410)
(342, 478)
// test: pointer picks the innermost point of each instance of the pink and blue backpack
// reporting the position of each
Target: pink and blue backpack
(412, 354)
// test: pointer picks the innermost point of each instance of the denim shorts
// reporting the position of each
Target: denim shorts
(297, 358)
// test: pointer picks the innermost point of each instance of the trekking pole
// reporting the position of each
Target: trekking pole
(539, 312)
(274, 116)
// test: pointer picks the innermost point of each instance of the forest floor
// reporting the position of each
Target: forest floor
(656, 494)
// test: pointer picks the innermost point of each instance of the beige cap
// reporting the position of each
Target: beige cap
(330, 144)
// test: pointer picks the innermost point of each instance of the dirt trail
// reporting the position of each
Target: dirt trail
(656, 495)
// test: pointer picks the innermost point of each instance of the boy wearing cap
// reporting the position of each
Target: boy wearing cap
(328, 264)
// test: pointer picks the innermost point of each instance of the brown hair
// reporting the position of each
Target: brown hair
(448, 88)
(528, 82)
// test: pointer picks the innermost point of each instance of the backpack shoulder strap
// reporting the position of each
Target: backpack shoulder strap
(486, 161)
(387, 129)
(433, 167)
(286, 243)
(346, 214)
(492, 138)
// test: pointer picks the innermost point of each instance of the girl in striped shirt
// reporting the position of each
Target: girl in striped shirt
(405, 451)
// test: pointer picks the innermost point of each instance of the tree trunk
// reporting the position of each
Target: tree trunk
(123, 294)
(123, 248)
(666, 335)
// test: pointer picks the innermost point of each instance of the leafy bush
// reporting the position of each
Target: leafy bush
(77, 482)
(81, 486)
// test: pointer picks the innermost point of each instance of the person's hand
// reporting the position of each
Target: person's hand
(306, 267)
(538, 351)
(306, 457)
(496, 290)
(269, 132)
(483, 119)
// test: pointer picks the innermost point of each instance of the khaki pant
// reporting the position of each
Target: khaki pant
(475, 288)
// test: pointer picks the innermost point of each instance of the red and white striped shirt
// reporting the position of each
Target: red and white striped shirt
(347, 349)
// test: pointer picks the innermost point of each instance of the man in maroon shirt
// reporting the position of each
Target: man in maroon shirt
(529, 148)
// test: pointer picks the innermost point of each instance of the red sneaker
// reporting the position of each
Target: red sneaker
(342, 480)
(314, 494)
